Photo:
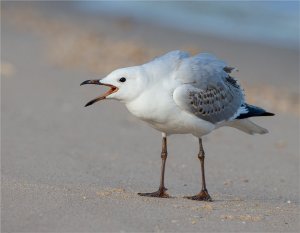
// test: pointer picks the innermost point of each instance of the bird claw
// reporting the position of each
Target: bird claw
(202, 196)
(161, 193)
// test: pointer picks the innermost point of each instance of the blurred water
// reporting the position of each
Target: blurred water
(271, 22)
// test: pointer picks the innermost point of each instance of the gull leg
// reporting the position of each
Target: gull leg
(203, 195)
(161, 192)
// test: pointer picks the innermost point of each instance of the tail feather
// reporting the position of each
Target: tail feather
(247, 126)
(253, 111)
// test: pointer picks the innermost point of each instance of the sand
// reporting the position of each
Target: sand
(66, 168)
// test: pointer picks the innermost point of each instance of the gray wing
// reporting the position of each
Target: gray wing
(213, 96)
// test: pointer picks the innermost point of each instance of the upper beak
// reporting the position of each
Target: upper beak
(97, 82)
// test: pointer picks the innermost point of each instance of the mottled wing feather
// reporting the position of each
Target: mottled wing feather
(207, 90)
(215, 103)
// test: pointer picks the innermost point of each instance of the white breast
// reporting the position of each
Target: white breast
(157, 107)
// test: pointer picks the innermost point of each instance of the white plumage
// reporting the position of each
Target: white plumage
(179, 94)
(163, 89)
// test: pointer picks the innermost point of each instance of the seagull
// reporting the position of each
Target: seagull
(181, 94)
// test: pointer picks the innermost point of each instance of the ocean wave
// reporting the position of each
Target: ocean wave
(275, 23)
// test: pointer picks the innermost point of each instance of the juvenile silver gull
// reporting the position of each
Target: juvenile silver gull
(182, 94)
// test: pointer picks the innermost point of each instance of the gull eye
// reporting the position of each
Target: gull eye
(122, 80)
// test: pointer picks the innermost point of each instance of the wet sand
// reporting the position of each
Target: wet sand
(66, 168)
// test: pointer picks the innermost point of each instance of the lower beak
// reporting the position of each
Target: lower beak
(97, 82)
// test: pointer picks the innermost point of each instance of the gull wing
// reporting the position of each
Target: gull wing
(207, 90)
(163, 66)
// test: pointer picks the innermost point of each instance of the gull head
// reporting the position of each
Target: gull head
(124, 84)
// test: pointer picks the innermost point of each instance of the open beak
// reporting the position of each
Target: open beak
(97, 82)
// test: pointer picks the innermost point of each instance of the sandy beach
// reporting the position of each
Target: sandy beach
(66, 168)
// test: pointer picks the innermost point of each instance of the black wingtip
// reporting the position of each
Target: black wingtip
(254, 111)
(268, 114)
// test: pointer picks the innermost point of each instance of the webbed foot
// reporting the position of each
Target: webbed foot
(161, 192)
(202, 196)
